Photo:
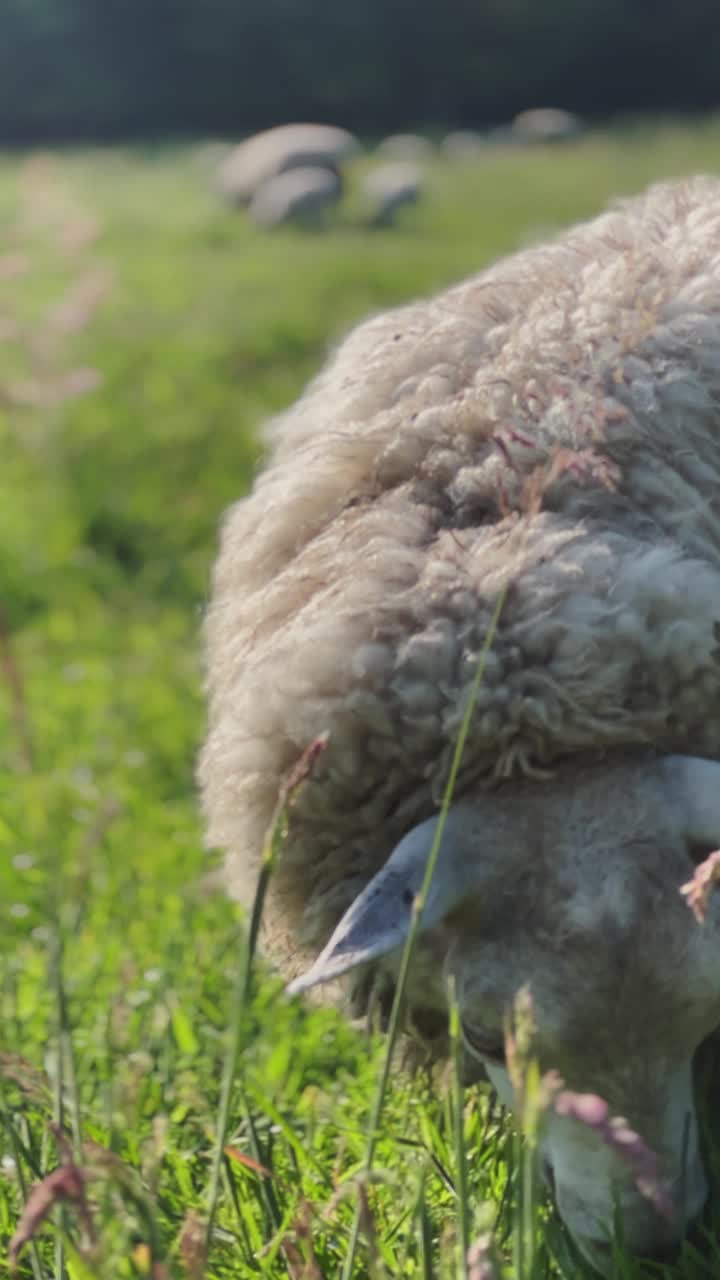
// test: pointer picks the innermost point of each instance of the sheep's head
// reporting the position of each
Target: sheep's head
(572, 889)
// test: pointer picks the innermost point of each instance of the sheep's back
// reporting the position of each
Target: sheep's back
(546, 433)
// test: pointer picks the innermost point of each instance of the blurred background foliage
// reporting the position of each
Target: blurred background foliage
(121, 68)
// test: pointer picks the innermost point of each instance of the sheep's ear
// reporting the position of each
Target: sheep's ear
(379, 919)
(695, 786)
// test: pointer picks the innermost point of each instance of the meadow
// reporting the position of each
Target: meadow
(145, 333)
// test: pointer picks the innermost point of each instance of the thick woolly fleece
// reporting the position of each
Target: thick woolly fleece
(550, 427)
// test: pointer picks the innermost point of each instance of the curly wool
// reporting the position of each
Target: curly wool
(549, 428)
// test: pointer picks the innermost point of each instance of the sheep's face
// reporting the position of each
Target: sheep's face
(618, 1012)
(594, 1190)
(571, 890)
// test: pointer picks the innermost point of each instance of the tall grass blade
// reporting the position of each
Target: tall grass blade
(407, 954)
(240, 1000)
(17, 1155)
(461, 1178)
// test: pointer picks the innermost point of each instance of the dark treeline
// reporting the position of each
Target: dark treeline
(122, 68)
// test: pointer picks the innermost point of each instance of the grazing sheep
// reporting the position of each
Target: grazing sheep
(464, 146)
(274, 151)
(406, 146)
(546, 434)
(299, 195)
(545, 124)
(390, 188)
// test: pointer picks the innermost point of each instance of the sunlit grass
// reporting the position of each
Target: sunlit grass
(118, 959)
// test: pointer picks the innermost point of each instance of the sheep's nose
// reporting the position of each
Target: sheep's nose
(600, 1253)
(667, 1252)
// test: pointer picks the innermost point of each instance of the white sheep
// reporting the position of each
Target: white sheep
(390, 188)
(303, 196)
(545, 124)
(548, 432)
(262, 157)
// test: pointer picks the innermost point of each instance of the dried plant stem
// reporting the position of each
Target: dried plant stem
(18, 702)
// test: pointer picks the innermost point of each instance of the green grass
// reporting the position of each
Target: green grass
(118, 960)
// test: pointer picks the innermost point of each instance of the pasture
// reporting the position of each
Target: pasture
(145, 333)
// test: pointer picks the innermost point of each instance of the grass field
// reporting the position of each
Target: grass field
(145, 332)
